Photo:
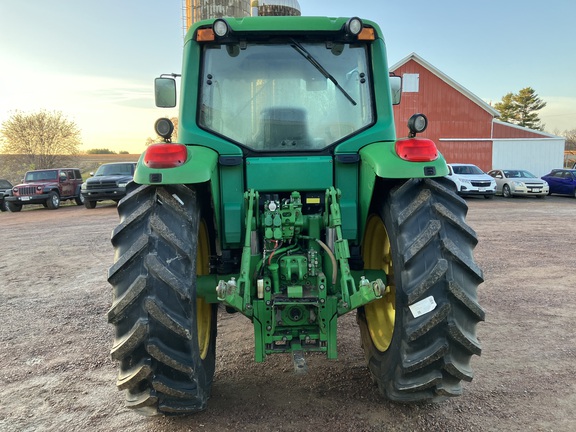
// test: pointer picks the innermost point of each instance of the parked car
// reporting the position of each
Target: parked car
(108, 183)
(562, 181)
(5, 188)
(515, 182)
(48, 187)
(469, 180)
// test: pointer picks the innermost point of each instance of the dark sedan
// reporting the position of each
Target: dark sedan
(562, 181)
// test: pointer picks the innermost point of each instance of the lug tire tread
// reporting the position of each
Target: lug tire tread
(432, 248)
(154, 305)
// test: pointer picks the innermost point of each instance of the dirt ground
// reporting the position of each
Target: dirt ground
(57, 375)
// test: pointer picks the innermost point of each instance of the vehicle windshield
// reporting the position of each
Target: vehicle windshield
(114, 169)
(5, 184)
(467, 169)
(518, 174)
(41, 175)
(293, 96)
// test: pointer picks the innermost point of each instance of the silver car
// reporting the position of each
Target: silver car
(517, 182)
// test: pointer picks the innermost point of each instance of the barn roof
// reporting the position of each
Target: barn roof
(415, 57)
(525, 129)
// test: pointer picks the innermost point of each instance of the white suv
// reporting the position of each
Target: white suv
(470, 180)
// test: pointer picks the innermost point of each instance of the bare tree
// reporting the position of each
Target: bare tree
(41, 140)
(570, 136)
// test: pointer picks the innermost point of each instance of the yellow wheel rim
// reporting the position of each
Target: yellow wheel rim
(377, 254)
(203, 309)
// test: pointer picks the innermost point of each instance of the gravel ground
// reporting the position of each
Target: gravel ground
(57, 374)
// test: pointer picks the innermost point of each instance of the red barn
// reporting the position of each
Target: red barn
(465, 128)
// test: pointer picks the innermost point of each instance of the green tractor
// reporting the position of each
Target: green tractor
(289, 200)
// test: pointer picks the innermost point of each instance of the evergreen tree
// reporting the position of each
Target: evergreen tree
(528, 104)
(521, 108)
(507, 108)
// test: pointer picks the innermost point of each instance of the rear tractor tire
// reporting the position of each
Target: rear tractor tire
(419, 338)
(165, 336)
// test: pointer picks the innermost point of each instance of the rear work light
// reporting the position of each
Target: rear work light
(165, 155)
(417, 149)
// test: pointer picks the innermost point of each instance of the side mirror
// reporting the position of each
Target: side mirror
(395, 89)
(165, 92)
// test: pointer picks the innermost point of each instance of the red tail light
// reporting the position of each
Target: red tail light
(417, 149)
(165, 155)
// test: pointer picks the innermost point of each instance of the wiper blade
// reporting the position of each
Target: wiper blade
(304, 53)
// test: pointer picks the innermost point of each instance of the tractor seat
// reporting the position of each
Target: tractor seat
(284, 128)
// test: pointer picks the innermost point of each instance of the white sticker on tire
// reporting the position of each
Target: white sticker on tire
(423, 307)
(177, 198)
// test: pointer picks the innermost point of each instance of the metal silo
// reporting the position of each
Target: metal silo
(197, 10)
(277, 7)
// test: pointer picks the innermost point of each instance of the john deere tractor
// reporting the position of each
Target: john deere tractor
(288, 199)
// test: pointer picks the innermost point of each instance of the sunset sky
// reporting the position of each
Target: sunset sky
(96, 61)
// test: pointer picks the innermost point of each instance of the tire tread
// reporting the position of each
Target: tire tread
(430, 354)
(154, 304)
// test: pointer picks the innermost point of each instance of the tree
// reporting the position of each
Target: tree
(521, 108)
(507, 108)
(42, 139)
(528, 105)
(570, 136)
(100, 151)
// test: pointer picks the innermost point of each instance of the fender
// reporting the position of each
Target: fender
(200, 167)
(380, 160)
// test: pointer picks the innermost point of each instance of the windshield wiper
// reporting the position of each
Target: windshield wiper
(304, 53)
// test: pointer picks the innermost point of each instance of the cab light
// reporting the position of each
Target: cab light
(165, 155)
(353, 26)
(221, 28)
(417, 149)
(205, 35)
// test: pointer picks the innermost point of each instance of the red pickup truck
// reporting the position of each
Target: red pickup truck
(48, 187)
